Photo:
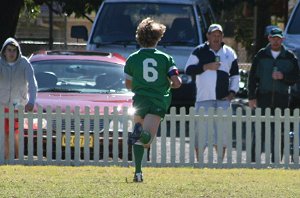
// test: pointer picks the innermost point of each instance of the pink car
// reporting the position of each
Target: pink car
(83, 79)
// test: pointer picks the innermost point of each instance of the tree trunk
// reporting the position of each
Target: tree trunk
(262, 20)
(9, 16)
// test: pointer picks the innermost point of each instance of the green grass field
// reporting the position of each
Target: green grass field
(90, 181)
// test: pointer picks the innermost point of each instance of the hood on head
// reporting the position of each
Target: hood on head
(11, 41)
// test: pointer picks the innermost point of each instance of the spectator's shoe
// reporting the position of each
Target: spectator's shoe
(135, 135)
(138, 177)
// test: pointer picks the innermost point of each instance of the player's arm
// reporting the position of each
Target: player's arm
(175, 82)
(128, 83)
(128, 79)
(174, 78)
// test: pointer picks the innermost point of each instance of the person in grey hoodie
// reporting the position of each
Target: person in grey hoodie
(18, 85)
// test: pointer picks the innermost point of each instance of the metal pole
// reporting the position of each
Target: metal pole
(50, 25)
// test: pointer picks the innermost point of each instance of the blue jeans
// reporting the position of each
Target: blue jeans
(225, 104)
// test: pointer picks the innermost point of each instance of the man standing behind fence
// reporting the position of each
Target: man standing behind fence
(17, 85)
(217, 77)
(273, 70)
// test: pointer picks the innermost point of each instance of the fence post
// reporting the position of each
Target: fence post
(239, 115)
(211, 121)
(68, 135)
(2, 134)
(86, 129)
(96, 134)
(58, 117)
(11, 117)
(268, 129)
(105, 135)
(220, 135)
(286, 131)
(258, 135)
(228, 125)
(296, 130)
(202, 128)
(21, 133)
(277, 138)
(192, 135)
(172, 135)
(49, 133)
(249, 134)
(41, 126)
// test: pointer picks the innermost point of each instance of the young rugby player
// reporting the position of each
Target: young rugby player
(150, 74)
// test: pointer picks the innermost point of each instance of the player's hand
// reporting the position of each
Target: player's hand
(29, 107)
(277, 75)
(252, 103)
(230, 96)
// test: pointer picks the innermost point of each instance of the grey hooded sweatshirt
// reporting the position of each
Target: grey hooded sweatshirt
(17, 81)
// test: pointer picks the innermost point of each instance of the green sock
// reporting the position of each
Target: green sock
(145, 137)
(138, 151)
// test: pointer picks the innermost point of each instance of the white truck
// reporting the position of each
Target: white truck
(292, 31)
(292, 42)
(187, 21)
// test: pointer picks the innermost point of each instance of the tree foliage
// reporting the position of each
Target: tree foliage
(9, 14)
(248, 27)
(78, 7)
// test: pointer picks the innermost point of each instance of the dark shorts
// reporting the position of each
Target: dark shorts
(145, 105)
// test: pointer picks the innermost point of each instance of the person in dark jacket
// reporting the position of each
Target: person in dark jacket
(216, 70)
(274, 69)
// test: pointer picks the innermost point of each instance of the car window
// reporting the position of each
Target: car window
(79, 76)
(294, 26)
(119, 21)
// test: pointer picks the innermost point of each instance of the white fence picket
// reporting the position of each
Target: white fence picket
(68, 135)
(296, 121)
(96, 135)
(21, 134)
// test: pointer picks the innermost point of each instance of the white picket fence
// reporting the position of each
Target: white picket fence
(48, 140)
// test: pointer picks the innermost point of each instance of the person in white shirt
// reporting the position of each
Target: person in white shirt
(215, 67)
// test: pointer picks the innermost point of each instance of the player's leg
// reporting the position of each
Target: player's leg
(141, 105)
(150, 127)
(138, 149)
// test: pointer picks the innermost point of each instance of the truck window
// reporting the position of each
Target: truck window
(119, 21)
(294, 27)
(206, 17)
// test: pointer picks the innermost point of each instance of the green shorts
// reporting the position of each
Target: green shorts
(145, 105)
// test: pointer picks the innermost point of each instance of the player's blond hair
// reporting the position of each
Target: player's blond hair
(149, 32)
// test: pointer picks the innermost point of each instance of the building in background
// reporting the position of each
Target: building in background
(34, 34)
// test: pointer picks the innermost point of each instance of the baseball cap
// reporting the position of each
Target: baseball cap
(214, 27)
(276, 32)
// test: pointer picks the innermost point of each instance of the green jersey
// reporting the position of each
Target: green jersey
(149, 70)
